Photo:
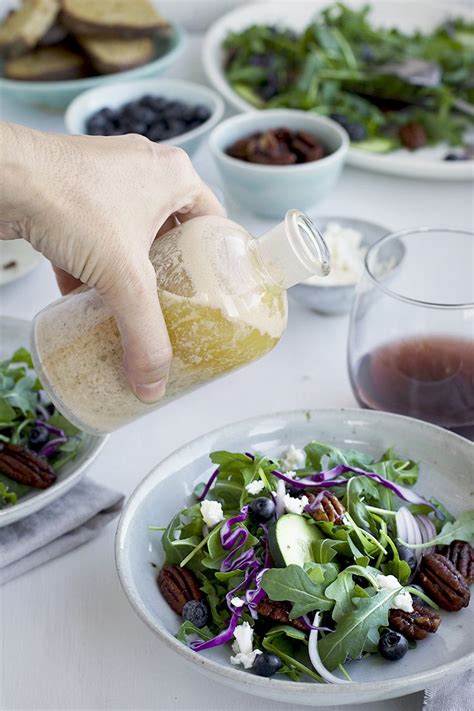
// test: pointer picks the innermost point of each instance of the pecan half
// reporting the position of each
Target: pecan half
(413, 135)
(440, 579)
(461, 555)
(25, 467)
(307, 147)
(417, 624)
(178, 586)
(329, 509)
(279, 612)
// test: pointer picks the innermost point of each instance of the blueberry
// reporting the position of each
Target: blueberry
(134, 126)
(176, 127)
(146, 115)
(393, 645)
(356, 131)
(454, 156)
(196, 611)
(266, 664)
(261, 509)
(37, 436)
(341, 119)
(157, 103)
(99, 125)
(174, 109)
(156, 132)
(409, 556)
(201, 113)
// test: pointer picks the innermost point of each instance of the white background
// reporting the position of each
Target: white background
(69, 639)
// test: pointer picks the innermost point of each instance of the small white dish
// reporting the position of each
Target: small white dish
(17, 258)
(272, 190)
(406, 15)
(14, 334)
(114, 96)
(334, 299)
(446, 466)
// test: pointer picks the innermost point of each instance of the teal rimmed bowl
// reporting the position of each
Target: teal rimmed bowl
(57, 95)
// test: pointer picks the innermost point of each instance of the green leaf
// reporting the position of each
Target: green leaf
(291, 646)
(188, 629)
(58, 420)
(353, 628)
(322, 572)
(22, 356)
(7, 497)
(342, 589)
(14, 486)
(324, 550)
(22, 395)
(7, 413)
(214, 595)
(462, 529)
(294, 585)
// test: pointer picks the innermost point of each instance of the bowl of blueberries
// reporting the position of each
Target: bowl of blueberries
(175, 112)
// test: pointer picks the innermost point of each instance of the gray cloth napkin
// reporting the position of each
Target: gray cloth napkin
(456, 694)
(65, 524)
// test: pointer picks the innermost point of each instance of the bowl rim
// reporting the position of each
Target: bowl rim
(209, 96)
(85, 83)
(251, 683)
(261, 117)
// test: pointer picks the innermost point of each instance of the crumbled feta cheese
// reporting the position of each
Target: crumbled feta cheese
(347, 256)
(237, 602)
(244, 654)
(211, 512)
(388, 582)
(294, 505)
(294, 458)
(402, 601)
(255, 487)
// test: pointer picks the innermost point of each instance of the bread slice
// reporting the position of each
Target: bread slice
(23, 28)
(108, 55)
(112, 18)
(47, 64)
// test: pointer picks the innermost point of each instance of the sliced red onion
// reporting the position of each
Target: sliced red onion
(210, 482)
(411, 529)
(315, 480)
(52, 430)
(280, 498)
(43, 412)
(428, 532)
(316, 659)
(400, 522)
(51, 447)
(222, 638)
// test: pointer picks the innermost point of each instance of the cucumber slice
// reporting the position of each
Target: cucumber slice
(290, 540)
(376, 145)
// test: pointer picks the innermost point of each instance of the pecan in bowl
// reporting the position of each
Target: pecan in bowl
(178, 586)
(25, 467)
(328, 509)
(415, 625)
(440, 579)
(279, 612)
(461, 555)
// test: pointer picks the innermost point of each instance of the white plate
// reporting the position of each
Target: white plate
(17, 258)
(406, 15)
(15, 333)
(446, 472)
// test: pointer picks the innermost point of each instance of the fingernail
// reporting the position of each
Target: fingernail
(152, 392)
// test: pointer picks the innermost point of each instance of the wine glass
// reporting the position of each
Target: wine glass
(411, 336)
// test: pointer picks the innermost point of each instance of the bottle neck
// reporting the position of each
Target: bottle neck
(293, 250)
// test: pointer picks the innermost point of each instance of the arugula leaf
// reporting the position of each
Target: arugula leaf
(188, 629)
(462, 529)
(291, 646)
(7, 497)
(320, 455)
(214, 595)
(355, 627)
(342, 589)
(322, 572)
(58, 420)
(294, 585)
(21, 355)
(324, 550)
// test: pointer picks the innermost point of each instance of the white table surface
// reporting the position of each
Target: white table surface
(69, 639)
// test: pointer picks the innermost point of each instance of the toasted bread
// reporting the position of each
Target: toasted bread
(112, 18)
(47, 64)
(108, 55)
(23, 28)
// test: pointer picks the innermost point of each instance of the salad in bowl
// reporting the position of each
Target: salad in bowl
(306, 565)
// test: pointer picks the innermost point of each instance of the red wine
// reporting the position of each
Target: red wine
(428, 378)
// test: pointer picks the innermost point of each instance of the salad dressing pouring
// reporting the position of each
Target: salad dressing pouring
(223, 298)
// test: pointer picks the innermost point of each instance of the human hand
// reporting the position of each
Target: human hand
(93, 206)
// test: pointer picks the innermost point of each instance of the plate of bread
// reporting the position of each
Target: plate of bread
(52, 50)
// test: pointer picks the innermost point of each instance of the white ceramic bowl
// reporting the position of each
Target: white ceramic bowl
(271, 190)
(446, 466)
(115, 95)
(406, 15)
(14, 334)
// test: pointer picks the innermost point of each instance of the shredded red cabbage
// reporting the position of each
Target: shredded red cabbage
(317, 501)
(237, 537)
(52, 430)
(51, 447)
(222, 638)
(210, 482)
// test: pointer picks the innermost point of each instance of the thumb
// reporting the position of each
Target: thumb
(147, 349)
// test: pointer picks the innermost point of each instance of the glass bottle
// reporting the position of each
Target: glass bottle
(223, 296)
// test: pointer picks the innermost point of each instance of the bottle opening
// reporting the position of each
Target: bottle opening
(294, 250)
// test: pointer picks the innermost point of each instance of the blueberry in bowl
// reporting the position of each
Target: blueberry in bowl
(164, 111)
